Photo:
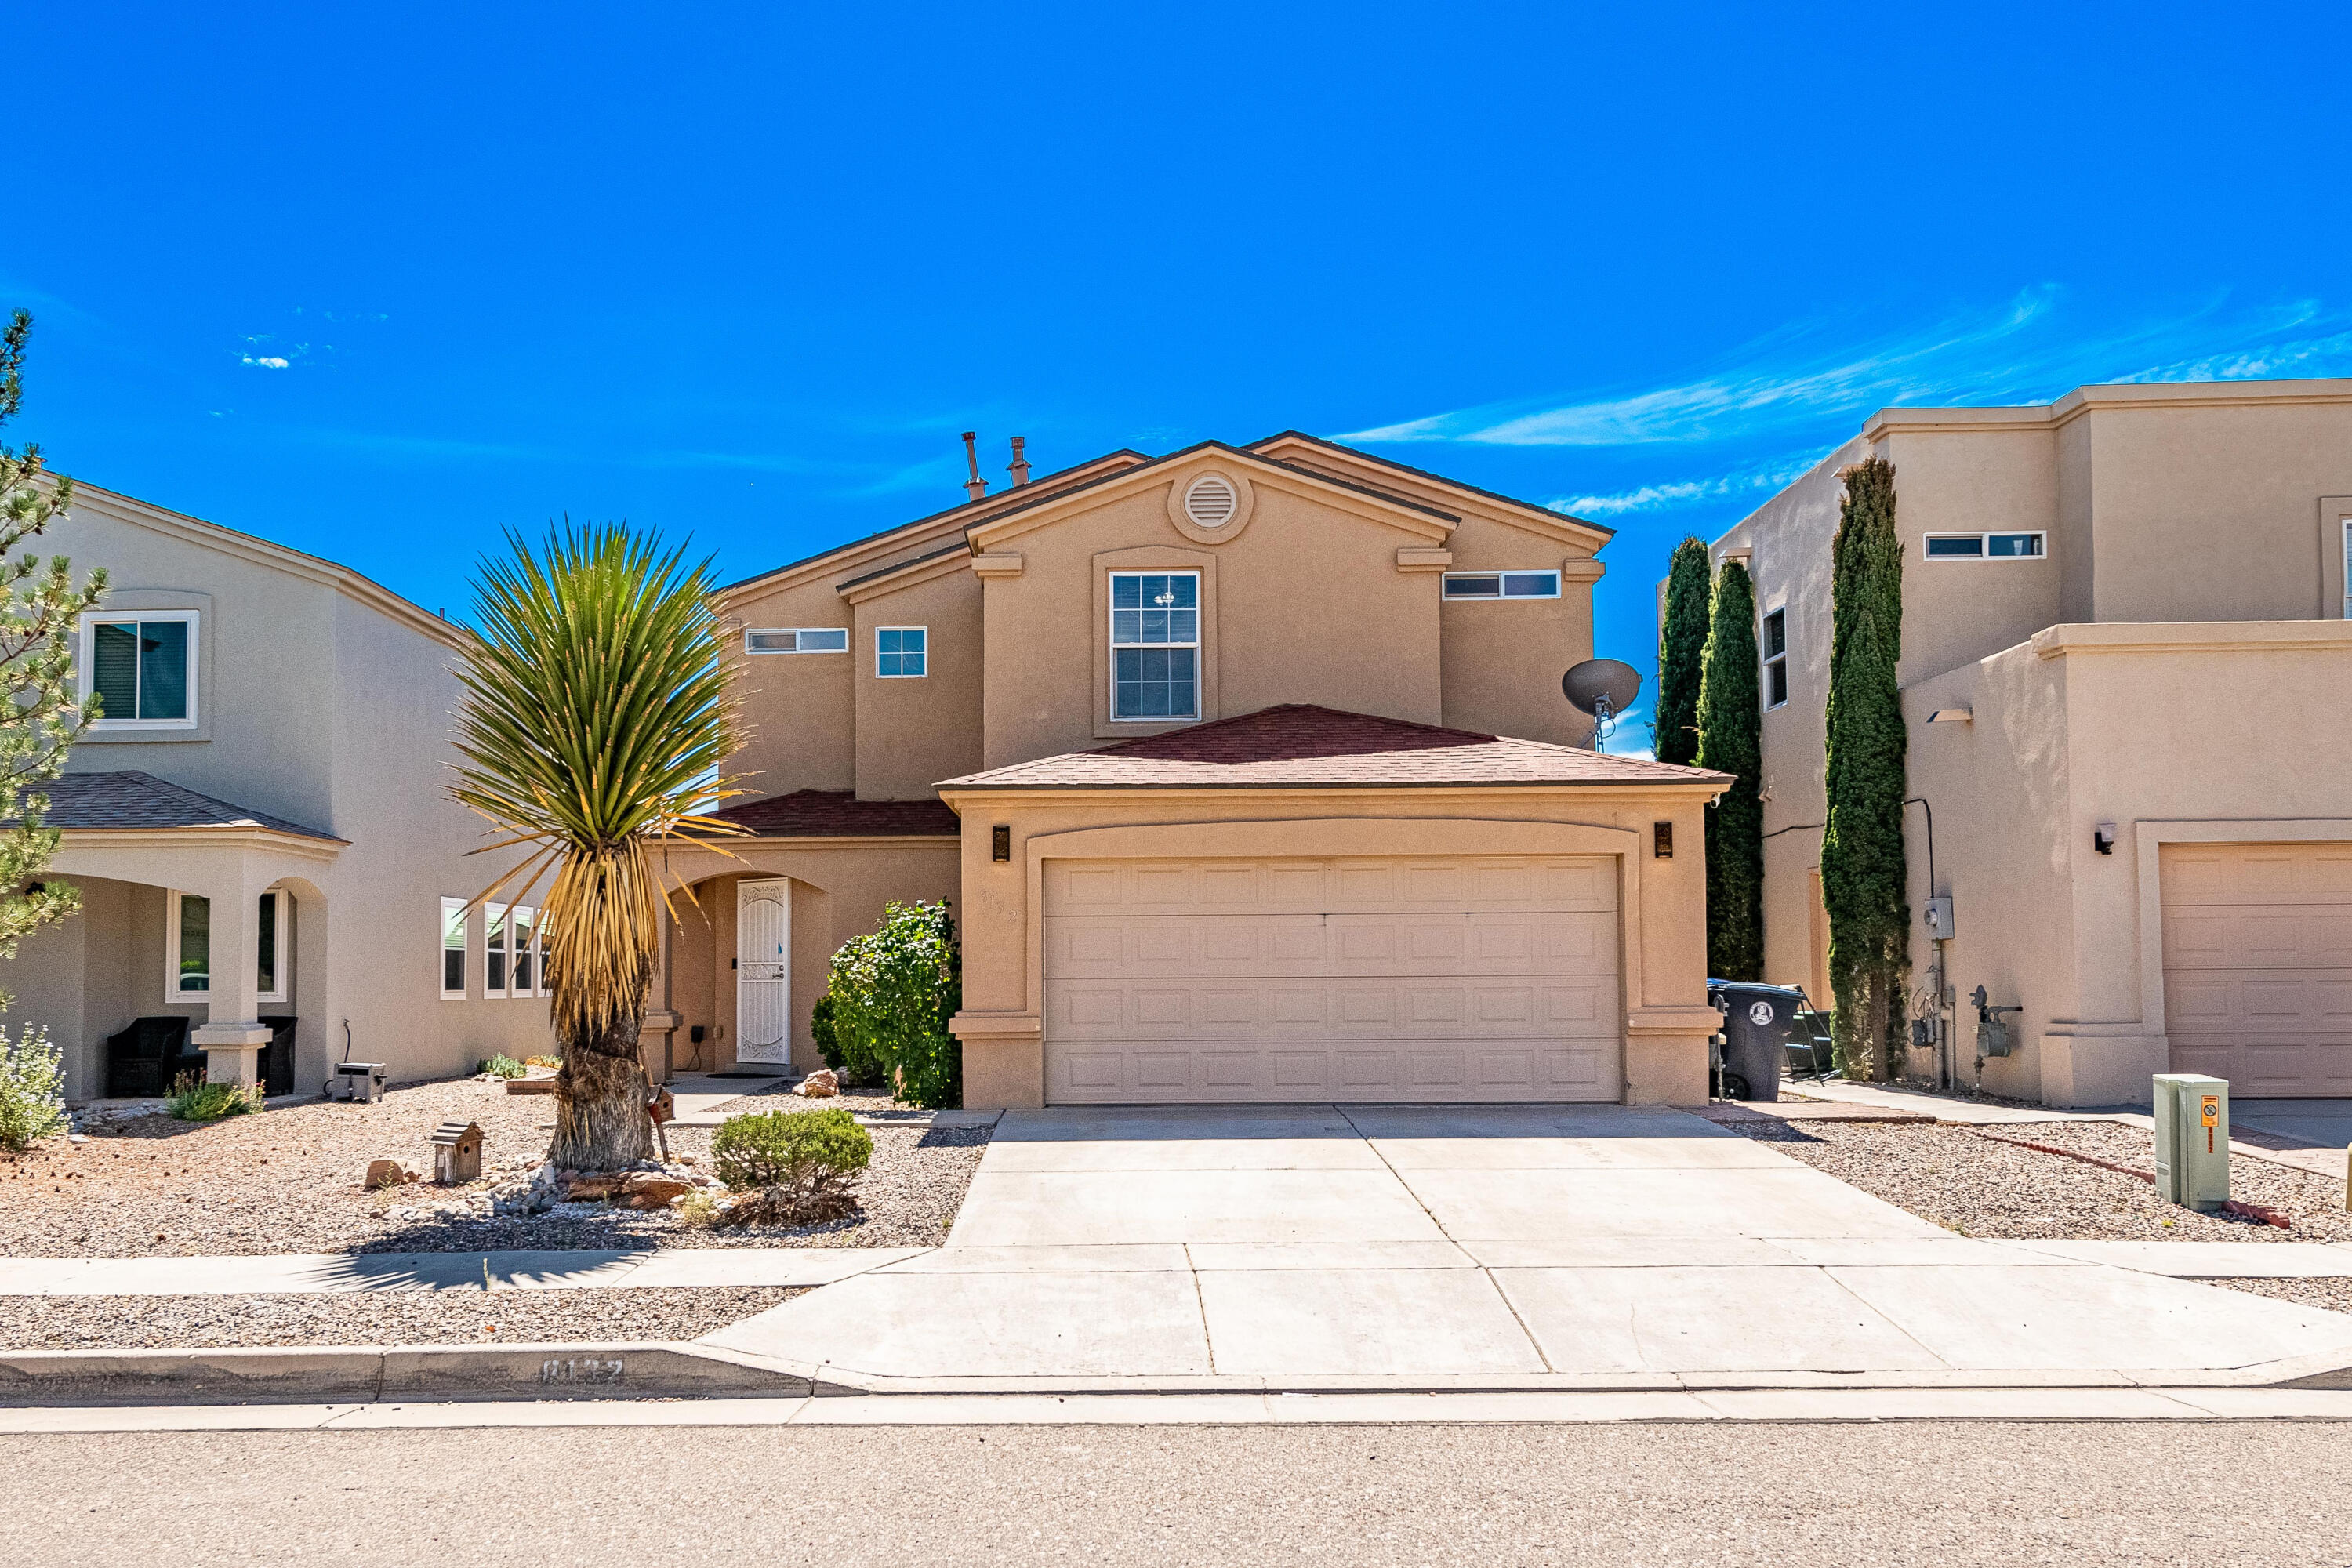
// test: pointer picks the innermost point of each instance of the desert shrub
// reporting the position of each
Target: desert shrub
(820, 1031)
(790, 1149)
(195, 1099)
(32, 1089)
(502, 1066)
(893, 992)
(554, 1064)
(699, 1209)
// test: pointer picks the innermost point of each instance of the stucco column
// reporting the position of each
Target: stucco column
(233, 1034)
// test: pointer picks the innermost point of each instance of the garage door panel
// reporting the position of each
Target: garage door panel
(1429, 884)
(2258, 964)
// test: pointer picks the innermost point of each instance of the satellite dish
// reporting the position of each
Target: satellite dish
(1603, 687)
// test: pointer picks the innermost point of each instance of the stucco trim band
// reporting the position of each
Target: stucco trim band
(2193, 636)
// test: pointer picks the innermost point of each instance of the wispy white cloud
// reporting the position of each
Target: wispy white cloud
(1761, 478)
(2020, 352)
(264, 362)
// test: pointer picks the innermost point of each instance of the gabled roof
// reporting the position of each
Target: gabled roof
(1297, 745)
(132, 799)
(837, 814)
(963, 514)
(1537, 509)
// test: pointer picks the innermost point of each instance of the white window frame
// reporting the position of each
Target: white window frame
(926, 672)
(455, 909)
(1984, 545)
(495, 923)
(86, 647)
(539, 956)
(1773, 661)
(2348, 568)
(1110, 633)
(278, 948)
(1502, 578)
(799, 636)
(173, 994)
(516, 950)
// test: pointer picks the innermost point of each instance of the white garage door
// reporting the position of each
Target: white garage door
(1395, 978)
(2258, 964)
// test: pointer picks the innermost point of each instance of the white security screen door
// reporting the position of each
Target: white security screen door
(764, 971)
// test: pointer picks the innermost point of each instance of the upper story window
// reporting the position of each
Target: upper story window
(141, 668)
(1983, 546)
(1155, 645)
(798, 639)
(1502, 584)
(902, 653)
(1775, 659)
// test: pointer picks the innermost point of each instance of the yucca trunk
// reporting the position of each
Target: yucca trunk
(600, 1100)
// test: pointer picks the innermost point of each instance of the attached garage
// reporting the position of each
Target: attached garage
(2258, 964)
(1305, 905)
(1397, 977)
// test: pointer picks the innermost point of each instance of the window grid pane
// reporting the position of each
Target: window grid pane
(1487, 588)
(163, 669)
(2013, 544)
(1532, 584)
(114, 669)
(195, 944)
(1970, 546)
(1776, 633)
(265, 962)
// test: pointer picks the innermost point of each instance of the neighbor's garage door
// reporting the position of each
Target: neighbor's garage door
(1398, 978)
(2258, 964)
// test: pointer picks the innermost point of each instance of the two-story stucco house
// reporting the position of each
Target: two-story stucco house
(2128, 678)
(1248, 772)
(270, 870)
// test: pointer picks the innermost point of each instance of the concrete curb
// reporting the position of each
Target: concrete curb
(374, 1375)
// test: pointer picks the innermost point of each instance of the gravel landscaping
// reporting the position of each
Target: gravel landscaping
(375, 1318)
(2329, 1295)
(1966, 1180)
(289, 1180)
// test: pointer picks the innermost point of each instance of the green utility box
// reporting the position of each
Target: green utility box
(2192, 1139)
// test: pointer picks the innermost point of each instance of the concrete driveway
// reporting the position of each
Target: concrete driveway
(1325, 1246)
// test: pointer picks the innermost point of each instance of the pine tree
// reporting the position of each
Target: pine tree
(1682, 648)
(1863, 866)
(1730, 742)
(41, 610)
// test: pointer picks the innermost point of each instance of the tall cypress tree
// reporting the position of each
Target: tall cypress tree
(1681, 648)
(1730, 742)
(1863, 870)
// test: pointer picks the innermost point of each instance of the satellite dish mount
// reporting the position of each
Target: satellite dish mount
(1601, 688)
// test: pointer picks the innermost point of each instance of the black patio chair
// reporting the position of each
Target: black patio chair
(143, 1060)
(278, 1058)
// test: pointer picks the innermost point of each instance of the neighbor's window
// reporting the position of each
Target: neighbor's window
(188, 947)
(524, 928)
(270, 948)
(453, 949)
(1502, 584)
(1983, 546)
(494, 946)
(540, 936)
(141, 668)
(1775, 659)
(800, 639)
(1155, 645)
(901, 653)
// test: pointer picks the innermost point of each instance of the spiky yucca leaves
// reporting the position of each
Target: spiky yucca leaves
(41, 610)
(595, 717)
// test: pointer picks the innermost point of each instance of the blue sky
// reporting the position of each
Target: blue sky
(379, 281)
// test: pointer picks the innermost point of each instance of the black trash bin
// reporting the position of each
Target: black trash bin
(1757, 1021)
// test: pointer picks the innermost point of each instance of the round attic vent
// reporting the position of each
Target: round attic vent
(1210, 501)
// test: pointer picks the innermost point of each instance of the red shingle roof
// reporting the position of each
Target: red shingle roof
(837, 814)
(1294, 745)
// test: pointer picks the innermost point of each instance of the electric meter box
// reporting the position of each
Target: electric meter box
(1939, 916)
(2192, 1139)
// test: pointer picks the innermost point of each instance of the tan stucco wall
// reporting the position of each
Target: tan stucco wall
(799, 708)
(2235, 729)
(913, 733)
(840, 888)
(1662, 902)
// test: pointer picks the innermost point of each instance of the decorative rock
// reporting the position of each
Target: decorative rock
(388, 1173)
(822, 1084)
(586, 1186)
(652, 1190)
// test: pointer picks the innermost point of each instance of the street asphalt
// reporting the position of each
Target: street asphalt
(1912, 1494)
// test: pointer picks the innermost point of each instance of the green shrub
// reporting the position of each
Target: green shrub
(503, 1067)
(193, 1099)
(32, 1089)
(893, 992)
(806, 1151)
(820, 1031)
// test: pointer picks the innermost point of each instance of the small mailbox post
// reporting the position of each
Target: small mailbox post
(456, 1152)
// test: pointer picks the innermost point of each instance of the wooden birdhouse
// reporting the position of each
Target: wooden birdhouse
(456, 1152)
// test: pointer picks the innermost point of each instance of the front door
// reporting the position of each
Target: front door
(764, 971)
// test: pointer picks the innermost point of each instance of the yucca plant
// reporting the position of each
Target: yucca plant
(595, 717)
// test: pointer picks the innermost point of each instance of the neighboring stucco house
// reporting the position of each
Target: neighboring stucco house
(2128, 678)
(258, 823)
(1204, 750)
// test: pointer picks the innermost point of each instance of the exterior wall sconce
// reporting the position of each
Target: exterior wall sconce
(2103, 838)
